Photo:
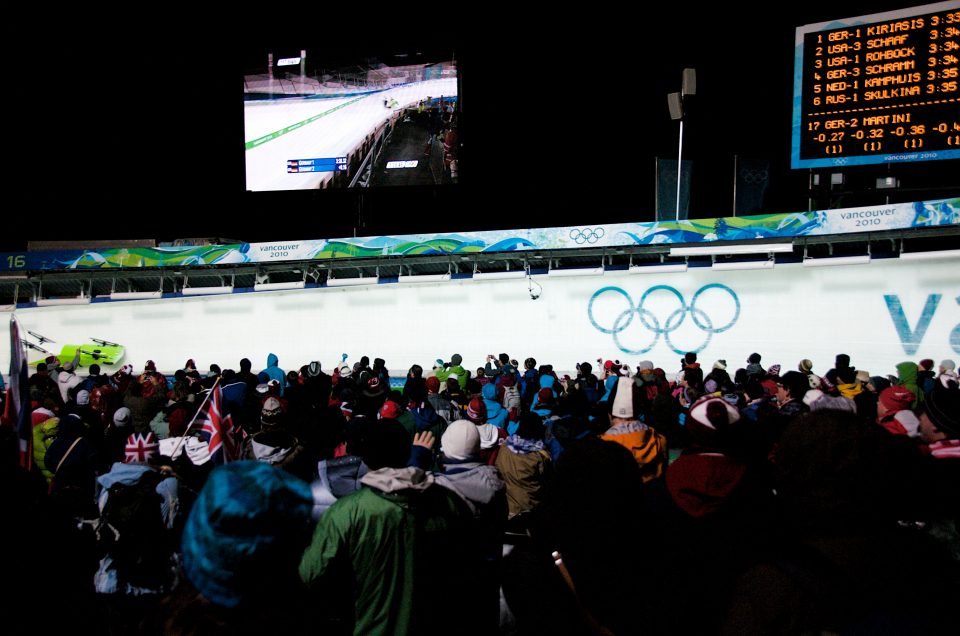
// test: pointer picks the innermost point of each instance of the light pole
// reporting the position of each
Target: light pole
(688, 86)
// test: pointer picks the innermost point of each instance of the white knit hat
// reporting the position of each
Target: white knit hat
(623, 402)
(461, 441)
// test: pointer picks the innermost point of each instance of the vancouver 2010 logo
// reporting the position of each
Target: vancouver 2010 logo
(660, 325)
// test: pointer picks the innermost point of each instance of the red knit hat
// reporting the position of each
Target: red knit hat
(477, 411)
(897, 398)
(433, 384)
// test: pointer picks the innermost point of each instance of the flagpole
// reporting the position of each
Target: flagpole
(190, 425)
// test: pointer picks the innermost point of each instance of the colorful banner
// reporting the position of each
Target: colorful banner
(895, 216)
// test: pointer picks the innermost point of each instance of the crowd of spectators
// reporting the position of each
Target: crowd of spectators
(506, 499)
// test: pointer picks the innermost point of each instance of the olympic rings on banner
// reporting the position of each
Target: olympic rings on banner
(586, 235)
(671, 323)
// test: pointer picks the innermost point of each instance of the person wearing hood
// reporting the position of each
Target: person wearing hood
(242, 543)
(274, 372)
(711, 512)
(388, 542)
(496, 414)
(907, 378)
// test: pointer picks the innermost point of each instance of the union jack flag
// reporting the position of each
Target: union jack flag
(224, 438)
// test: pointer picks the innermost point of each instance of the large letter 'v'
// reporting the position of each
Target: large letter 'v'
(911, 338)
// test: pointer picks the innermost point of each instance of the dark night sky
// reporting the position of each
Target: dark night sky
(124, 133)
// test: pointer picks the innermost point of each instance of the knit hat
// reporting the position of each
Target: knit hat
(926, 364)
(140, 448)
(313, 370)
(754, 358)
(545, 398)
(774, 370)
(621, 395)
(806, 365)
(645, 365)
(122, 417)
(374, 387)
(433, 384)
(507, 379)
(83, 398)
(345, 370)
(456, 359)
(270, 411)
(177, 421)
(698, 411)
(461, 441)
(943, 408)
(842, 361)
(150, 366)
(249, 525)
(719, 364)
(390, 410)
(477, 411)
(948, 365)
(897, 398)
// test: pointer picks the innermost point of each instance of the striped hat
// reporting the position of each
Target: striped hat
(141, 447)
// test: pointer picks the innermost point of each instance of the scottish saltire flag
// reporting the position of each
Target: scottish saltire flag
(224, 437)
(18, 395)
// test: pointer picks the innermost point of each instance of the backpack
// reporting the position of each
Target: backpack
(511, 397)
(133, 534)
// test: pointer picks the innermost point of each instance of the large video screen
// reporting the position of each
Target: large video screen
(881, 88)
(364, 122)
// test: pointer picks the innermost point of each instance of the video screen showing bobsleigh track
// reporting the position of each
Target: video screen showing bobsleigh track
(387, 128)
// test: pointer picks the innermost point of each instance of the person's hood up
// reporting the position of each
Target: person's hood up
(272, 360)
(489, 392)
(701, 484)
(907, 372)
(547, 381)
(477, 486)
(494, 408)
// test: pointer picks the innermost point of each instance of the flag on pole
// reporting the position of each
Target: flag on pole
(18, 395)
(224, 437)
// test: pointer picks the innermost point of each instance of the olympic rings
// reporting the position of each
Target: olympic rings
(673, 320)
(586, 235)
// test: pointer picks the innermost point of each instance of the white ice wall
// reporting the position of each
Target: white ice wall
(786, 314)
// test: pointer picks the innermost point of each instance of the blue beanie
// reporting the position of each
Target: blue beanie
(246, 532)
